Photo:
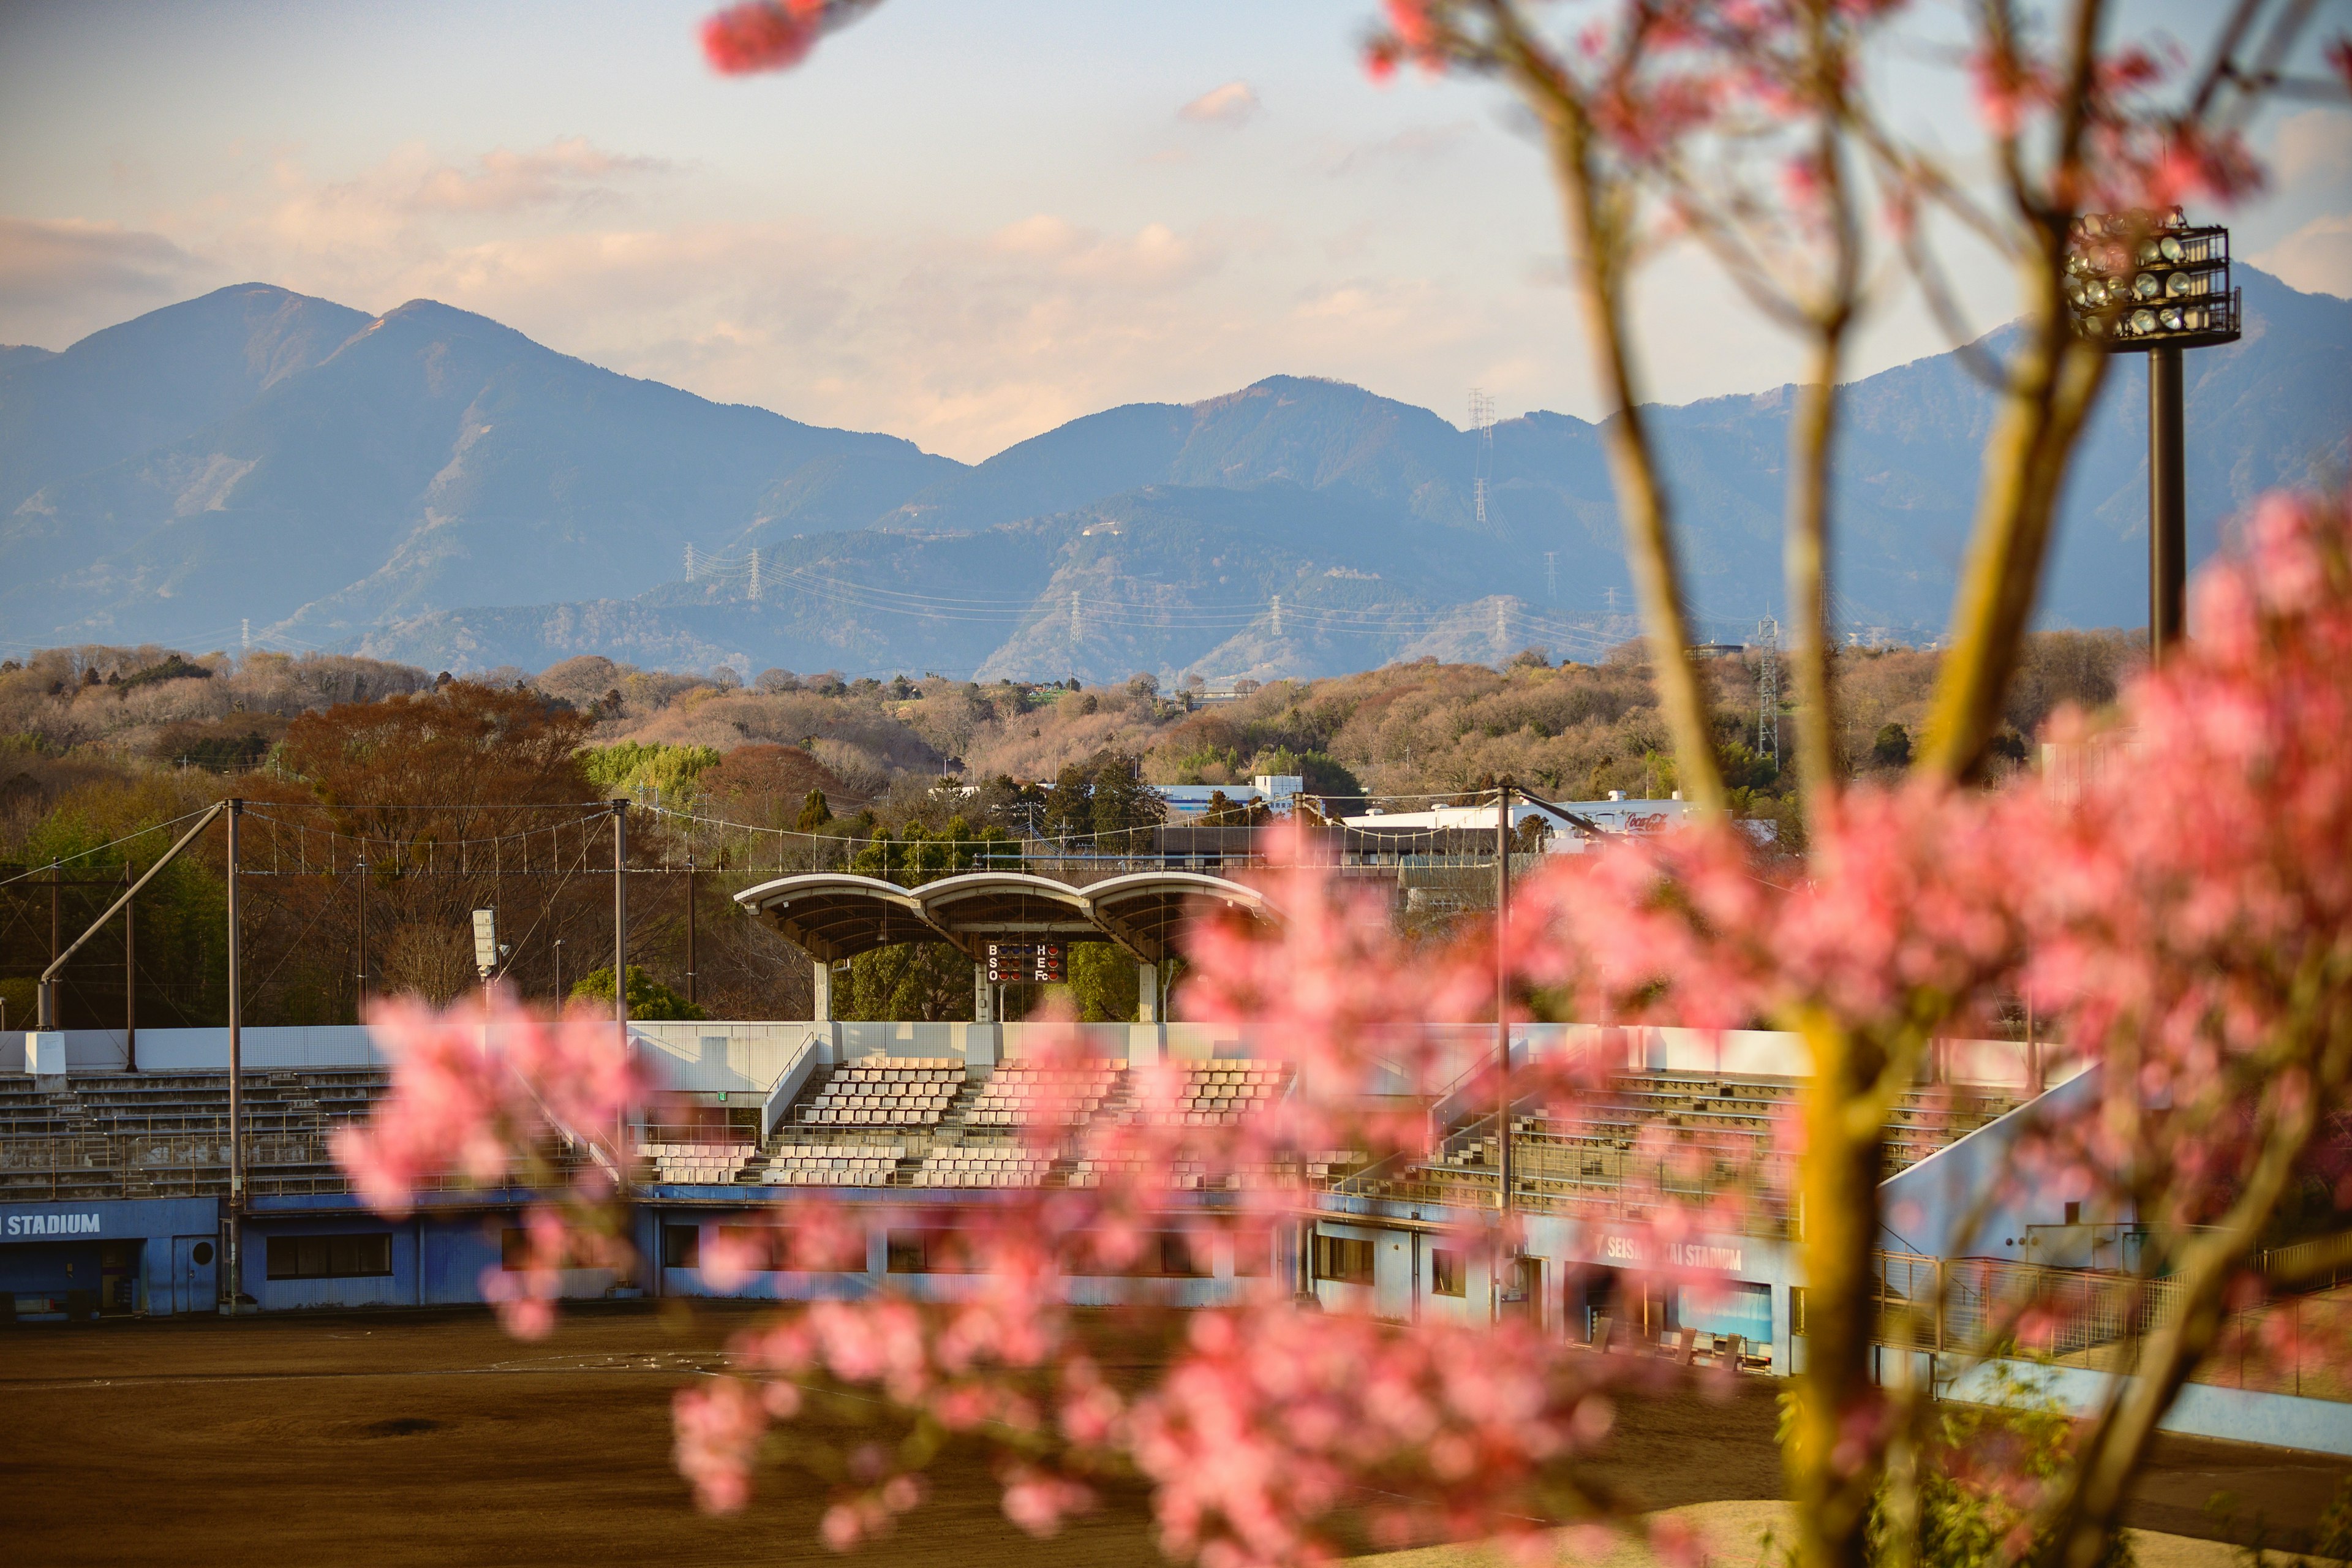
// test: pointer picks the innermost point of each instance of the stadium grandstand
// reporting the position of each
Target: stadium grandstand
(114, 1184)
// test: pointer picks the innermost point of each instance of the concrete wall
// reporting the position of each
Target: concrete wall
(2242, 1415)
(726, 1057)
(1931, 1206)
(878, 1216)
(204, 1050)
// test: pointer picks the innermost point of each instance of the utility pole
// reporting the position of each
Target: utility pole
(621, 921)
(129, 977)
(50, 1014)
(1502, 1033)
(1503, 977)
(2168, 541)
(359, 997)
(236, 1079)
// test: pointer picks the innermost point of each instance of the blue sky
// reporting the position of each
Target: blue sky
(963, 221)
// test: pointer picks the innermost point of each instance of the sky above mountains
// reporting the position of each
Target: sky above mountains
(961, 223)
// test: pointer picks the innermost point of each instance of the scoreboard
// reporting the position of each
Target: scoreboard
(1029, 962)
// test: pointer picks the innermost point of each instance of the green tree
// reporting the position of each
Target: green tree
(1069, 805)
(634, 764)
(919, 855)
(649, 999)
(1122, 805)
(816, 812)
(1103, 983)
(1970, 1507)
(907, 982)
(1225, 812)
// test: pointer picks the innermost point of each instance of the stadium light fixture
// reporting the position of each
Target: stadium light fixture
(2154, 283)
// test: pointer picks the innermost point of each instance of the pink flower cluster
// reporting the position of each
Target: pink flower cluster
(771, 35)
(2184, 915)
(492, 1095)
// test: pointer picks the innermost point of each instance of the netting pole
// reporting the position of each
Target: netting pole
(236, 1077)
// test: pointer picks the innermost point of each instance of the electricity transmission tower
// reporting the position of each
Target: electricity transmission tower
(1768, 689)
(1482, 462)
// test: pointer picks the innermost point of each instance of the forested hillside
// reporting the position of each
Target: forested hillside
(388, 797)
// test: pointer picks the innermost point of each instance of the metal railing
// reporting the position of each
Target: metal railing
(1982, 1307)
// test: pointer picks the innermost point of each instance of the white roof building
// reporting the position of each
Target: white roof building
(1616, 815)
(1276, 790)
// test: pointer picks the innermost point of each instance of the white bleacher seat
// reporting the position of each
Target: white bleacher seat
(887, 1092)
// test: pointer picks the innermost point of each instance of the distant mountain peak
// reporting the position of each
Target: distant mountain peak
(441, 487)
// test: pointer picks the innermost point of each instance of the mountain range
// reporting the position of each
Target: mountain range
(431, 486)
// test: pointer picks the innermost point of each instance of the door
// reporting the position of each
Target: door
(1522, 1289)
(195, 1279)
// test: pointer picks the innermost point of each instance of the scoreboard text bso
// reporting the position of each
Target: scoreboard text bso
(1031, 963)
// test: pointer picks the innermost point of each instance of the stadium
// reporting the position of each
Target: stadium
(115, 1180)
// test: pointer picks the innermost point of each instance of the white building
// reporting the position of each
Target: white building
(1616, 815)
(1276, 790)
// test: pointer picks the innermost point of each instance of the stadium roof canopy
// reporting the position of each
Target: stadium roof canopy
(833, 915)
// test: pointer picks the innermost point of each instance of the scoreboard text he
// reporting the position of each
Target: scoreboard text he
(1032, 962)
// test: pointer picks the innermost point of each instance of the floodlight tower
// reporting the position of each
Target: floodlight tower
(2151, 283)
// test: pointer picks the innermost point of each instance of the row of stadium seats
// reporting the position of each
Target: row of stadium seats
(918, 1092)
(868, 1165)
(703, 1165)
(1057, 1095)
(898, 1091)
(984, 1166)
(1210, 1094)
(1678, 1132)
(1092, 1170)
(164, 1134)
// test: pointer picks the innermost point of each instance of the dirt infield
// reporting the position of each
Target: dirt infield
(433, 1438)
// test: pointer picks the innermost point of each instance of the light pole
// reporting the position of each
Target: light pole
(2152, 283)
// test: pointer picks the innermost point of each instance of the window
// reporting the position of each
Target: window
(681, 1247)
(926, 1252)
(768, 1247)
(1445, 1273)
(330, 1257)
(1796, 1308)
(514, 1251)
(1253, 1253)
(1171, 1252)
(1343, 1259)
(2073, 1214)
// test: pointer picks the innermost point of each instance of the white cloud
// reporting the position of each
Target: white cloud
(1234, 104)
(1415, 145)
(2315, 258)
(2313, 146)
(61, 277)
